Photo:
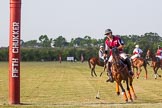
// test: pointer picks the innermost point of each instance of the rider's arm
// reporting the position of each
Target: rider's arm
(141, 51)
(106, 48)
(120, 47)
(121, 44)
(99, 54)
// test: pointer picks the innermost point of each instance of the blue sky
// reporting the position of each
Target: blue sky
(78, 18)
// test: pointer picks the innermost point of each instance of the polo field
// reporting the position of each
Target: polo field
(70, 85)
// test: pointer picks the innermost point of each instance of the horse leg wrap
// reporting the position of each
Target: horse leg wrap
(125, 96)
(155, 76)
(129, 95)
(132, 90)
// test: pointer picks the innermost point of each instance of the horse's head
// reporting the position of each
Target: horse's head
(115, 52)
(149, 54)
(115, 55)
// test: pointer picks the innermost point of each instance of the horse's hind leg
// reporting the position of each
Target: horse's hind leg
(159, 75)
(137, 75)
(155, 72)
(138, 71)
(94, 71)
(103, 71)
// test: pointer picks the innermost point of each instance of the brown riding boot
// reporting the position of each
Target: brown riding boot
(110, 78)
(109, 73)
(131, 73)
(129, 67)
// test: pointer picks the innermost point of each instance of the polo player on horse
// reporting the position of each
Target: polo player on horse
(102, 55)
(137, 52)
(159, 55)
(111, 42)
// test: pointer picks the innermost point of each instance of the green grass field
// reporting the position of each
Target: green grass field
(70, 85)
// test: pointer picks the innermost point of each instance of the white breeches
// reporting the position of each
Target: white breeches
(135, 56)
(123, 55)
(159, 56)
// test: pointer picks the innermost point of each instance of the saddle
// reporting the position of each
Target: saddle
(135, 59)
(158, 59)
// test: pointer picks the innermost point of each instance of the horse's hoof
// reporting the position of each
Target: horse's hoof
(134, 97)
(118, 93)
(126, 101)
(131, 100)
(110, 80)
(97, 97)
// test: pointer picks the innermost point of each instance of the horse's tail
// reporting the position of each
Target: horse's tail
(89, 62)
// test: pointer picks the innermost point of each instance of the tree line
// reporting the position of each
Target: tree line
(48, 49)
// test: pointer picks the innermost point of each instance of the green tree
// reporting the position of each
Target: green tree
(78, 41)
(88, 40)
(31, 43)
(45, 41)
(60, 42)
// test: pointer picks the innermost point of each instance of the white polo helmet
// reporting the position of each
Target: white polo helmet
(101, 46)
(108, 31)
(137, 46)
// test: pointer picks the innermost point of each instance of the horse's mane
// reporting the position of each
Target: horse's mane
(117, 61)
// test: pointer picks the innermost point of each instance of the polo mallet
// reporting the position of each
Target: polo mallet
(98, 92)
(98, 95)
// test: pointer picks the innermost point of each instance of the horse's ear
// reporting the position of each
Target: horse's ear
(114, 51)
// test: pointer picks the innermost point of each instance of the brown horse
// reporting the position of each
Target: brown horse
(138, 63)
(120, 72)
(93, 61)
(155, 64)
